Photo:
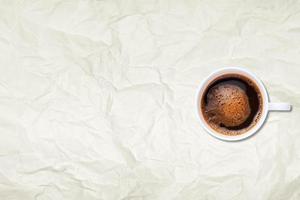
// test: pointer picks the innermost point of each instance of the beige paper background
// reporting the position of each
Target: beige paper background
(97, 99)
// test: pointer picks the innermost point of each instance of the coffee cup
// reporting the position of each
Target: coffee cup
(233, 104)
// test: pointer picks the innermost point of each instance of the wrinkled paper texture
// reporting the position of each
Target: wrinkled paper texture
(97, 99)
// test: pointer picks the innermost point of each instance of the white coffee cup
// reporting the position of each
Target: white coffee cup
(266, 105)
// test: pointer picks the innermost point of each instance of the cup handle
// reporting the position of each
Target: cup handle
(279, 107)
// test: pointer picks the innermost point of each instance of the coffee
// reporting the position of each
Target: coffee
(231, 104)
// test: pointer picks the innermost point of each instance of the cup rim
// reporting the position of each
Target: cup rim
(229, 70)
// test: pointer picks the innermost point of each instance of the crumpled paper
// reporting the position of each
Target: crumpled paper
(97, 99)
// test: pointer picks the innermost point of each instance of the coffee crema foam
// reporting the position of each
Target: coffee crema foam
(231, 104)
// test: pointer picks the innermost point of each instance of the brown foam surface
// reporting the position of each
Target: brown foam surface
(228, 104)
(232, 104)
